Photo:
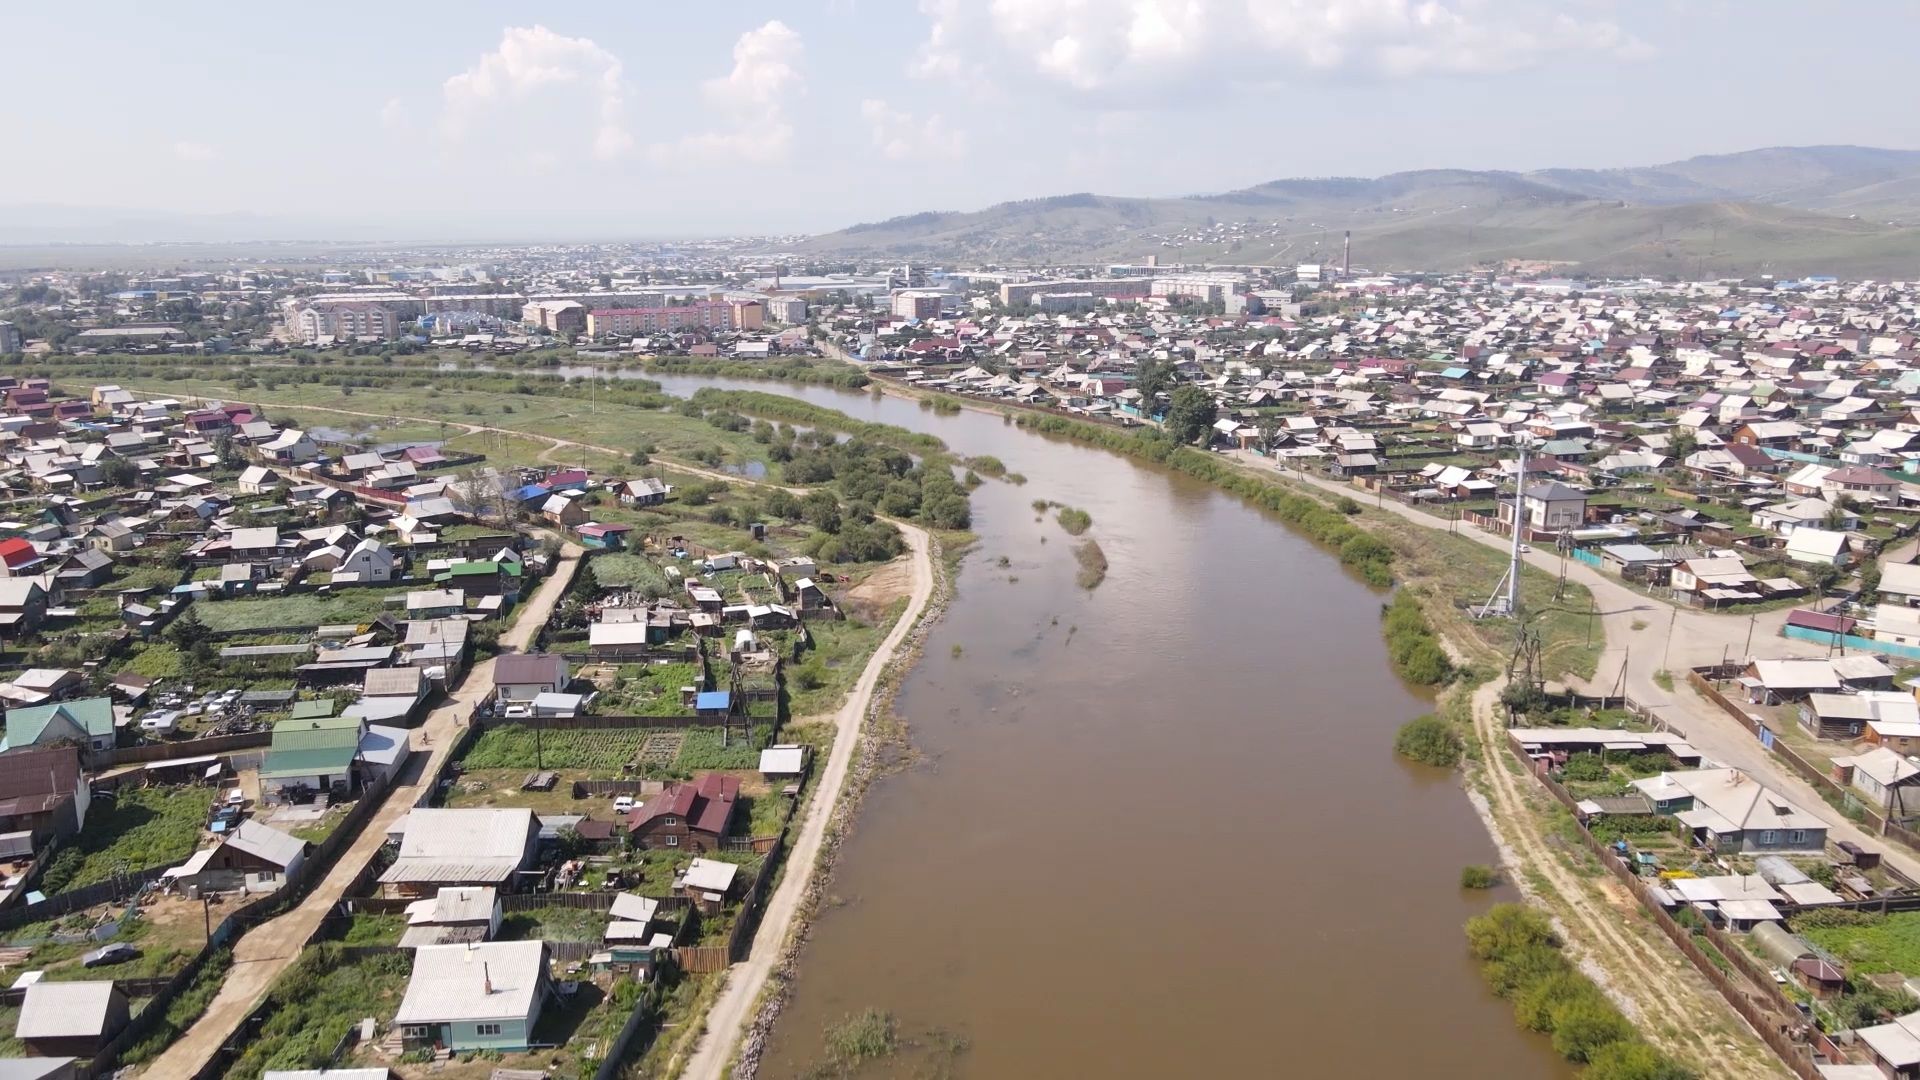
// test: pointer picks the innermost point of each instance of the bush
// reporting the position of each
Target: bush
(1521, 960)
(1478, 877)
(855, 1039)
(1075, 520)
(1584, 767)
(1412, 646)
(1429, 740)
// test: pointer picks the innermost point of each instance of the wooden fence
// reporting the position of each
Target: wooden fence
(173, 751)
(1820, 780)
(1770, 1013)
(703, 959)
(599, 723)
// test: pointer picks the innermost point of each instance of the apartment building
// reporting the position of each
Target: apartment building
(707, 314)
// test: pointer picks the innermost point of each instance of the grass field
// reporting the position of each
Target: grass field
(628, 570)
(1875, 945)
(305, 609)
(142, 827)
(621, 428)
(315, 1001)
(601, 751)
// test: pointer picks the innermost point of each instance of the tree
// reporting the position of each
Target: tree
(1870, 582)
(1582, 1025)
(1682, 444)
(1835, 519)
(1191, 416)
(1152, 378)
(1429, 740)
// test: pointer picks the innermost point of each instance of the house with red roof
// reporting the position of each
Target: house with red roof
(690, 816)
(19, 557)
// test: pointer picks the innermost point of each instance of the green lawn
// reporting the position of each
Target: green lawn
(305, 609)
(142, 827)
(314, 1003)
(1873, 945)
(554, 924)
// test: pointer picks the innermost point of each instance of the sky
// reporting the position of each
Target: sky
(480, 120)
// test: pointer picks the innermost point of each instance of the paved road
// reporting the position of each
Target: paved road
(733, 1010)
(1671, 638)
(265, 951)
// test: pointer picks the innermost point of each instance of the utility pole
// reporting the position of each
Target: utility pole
(1747, 653)
(1513, 570)
(1668, 647)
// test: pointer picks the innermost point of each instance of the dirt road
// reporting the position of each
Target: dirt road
(1676, 1008)
(733, 1009)
(264, 952)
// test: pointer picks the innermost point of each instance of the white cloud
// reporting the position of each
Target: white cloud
(187, 150)
(899, 137)
(531, 59)
(393, 115)
(750, 101)
(1134, 46)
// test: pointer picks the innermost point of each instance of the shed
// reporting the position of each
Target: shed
(71, 1017)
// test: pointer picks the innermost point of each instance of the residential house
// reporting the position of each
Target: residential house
(390, 694)
(1729, 811)
(71, 1018)
(254, 858)
(1885, 781)
(474, 997)
(646, 491)
(369, 563)
(87, 723)
(692, 816)
(43, 790)
(1846, 716)
(291, 447)
(519, 678)
(564, 511)
(462, 847)
(23, 606)
(1817, 547)
(1553, 507)
(1895, 1047)
(258, 480)
(312, 755)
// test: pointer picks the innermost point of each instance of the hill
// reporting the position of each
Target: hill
(1783, 210)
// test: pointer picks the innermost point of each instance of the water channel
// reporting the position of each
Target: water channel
(1156, 829)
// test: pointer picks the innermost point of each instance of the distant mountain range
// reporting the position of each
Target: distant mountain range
(1846, 210)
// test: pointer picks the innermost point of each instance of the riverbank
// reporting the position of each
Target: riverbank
(756, 990)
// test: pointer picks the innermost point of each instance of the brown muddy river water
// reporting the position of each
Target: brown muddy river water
(1157, 829)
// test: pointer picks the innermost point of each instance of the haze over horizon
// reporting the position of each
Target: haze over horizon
(479, 121)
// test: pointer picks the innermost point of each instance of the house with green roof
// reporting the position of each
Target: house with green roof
(87, 723)
(486, 577)
(314, 753)
(313, 709)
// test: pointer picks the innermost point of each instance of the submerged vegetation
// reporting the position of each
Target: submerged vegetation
(1411, 643)
(1074, 520)
(1093, 564)
(1359, 550)
(1431, 741)
(1522, 961)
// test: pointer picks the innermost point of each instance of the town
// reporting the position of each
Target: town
(508, 705)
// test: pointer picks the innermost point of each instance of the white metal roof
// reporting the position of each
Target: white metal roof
(496, 980)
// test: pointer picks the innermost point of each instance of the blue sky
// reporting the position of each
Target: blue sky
(419, 120)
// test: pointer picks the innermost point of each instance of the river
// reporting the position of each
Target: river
(1154, 829)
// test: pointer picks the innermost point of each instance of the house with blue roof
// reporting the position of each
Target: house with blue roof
(715, 703)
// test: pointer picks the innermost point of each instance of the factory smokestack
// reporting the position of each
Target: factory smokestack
(1346, 255)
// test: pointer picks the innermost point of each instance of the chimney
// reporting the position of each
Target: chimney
(486, 977)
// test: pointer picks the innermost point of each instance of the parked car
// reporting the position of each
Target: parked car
(623, 804)
(117, 953)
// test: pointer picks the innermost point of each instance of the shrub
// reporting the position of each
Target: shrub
(1478, 877)
(1412, 646)
(866, 1037)
(1429, 740)
(1075, 520)
(1584, 767)
(1584, 1024)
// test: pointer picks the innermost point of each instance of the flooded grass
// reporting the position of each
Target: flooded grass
(1074, 520)
(1093, 564)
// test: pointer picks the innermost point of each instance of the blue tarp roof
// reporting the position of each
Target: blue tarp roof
(713, 699)
(532, 491)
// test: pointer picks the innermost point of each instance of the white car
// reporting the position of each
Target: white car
(623, 804)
